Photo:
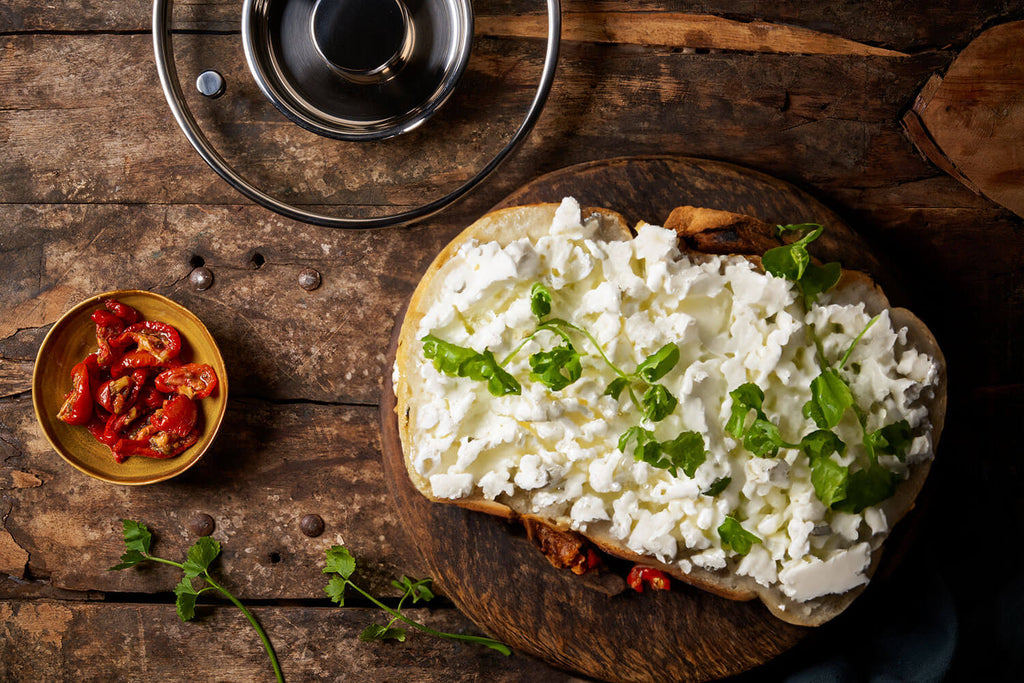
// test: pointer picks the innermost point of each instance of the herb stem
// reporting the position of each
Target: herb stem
(489, 642)
(163, 561)
(846, 356)
(252, 620)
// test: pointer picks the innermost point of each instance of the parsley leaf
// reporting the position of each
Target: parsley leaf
(335, 589)
(763, 439)
(418, 590)
(136, 536)
(185, 599)
(893, 439)
(717, 486)
(734, 536)
(830, 480)
(867, 487)
(615, 387)
(659, 363)
(686, 452)
(745, 397)
(200, 555)
(378, 632)
(540, 300)
(791, 260)
(557, 368)
(483, 367)
(130, 558)
(830, 397)
(340, 561)
(658, 403)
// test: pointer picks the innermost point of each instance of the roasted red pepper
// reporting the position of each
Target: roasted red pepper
(123, 311)
(77, 408)
(194, 380)
(640, 576)
(177, 416)
(158, 339)
(108, 329)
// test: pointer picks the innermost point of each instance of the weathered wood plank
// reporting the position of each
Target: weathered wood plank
(823, 120)
(271, 465)
(54, 640)
(905, 25)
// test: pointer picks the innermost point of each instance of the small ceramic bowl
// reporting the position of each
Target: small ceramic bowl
(71, 339)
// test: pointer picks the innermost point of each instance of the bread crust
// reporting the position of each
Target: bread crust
(714, 232)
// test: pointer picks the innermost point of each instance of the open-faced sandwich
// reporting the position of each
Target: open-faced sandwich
(753, 425)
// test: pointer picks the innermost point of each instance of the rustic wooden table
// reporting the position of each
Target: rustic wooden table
(99, 190)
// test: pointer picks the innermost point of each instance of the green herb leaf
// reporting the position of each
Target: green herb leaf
(791, 260)
(830, 480)
(377, 632)
(136, 536)
(659, 363)
(818, 279)
(685, 452)
(335, 589)
(200, 555)
(717, 486)
(615, 387)
(763, 439)
(891, 439)
(830, 397)
(635, 433)
(130, 558)
(745, 397)
(339, 561)
(557, 368)
(734, 536)
(448, 358)
(185, 599)
(796, 227)
(822, 443)
(867, 487)
(485, 368)
(658, 403)
(540, 300)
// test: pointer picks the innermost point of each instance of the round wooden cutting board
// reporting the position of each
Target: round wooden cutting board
(497, 578)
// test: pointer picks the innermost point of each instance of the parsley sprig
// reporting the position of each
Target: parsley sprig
(341, 565)
(137, 540)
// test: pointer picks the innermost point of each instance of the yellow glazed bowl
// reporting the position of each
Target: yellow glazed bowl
(72, 338)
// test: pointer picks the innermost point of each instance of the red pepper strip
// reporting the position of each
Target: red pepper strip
(108, 328)
(177, 416)
(133, 360)
(161, 445)
(159, 339)
(77, 408)
(653, 578)
(194, 380)
(123, 311)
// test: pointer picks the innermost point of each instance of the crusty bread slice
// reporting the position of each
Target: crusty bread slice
(715, 232)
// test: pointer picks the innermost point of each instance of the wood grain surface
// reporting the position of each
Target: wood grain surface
(99, 191)
(495, 575)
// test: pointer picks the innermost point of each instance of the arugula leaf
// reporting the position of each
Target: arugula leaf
(717, 486)
(485, 368)
(448, 358)
(830, 397)
(557, 368)
(136, 536)
(540, 300)
(867, 487)
(335, 589)
(686, 452)
(200, 555)
(339, 561)
(658, 403)
(130, 558)
(734, 536)
(893, 439)
(659, 363)
(377, 632)
(185, 599)
(615, 387)
(745, 397)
